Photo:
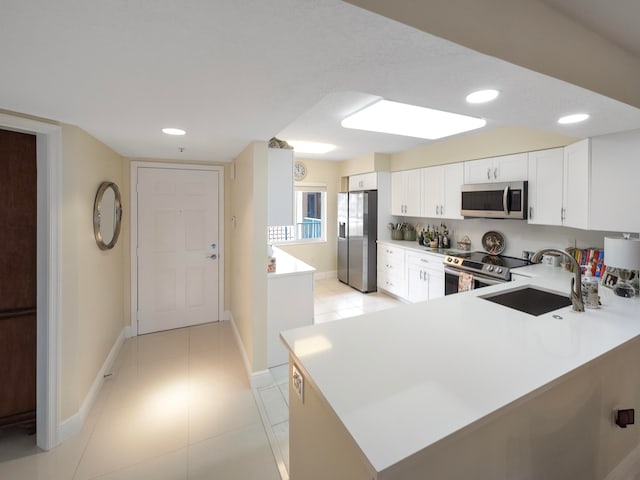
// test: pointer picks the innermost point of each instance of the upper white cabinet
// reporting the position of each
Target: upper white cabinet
(615, 177)
(280, 186)
(506, 168)
(559, 186)
(546, 172)
(576, 180)
(363, 181)
(405, 193)
(441, 191)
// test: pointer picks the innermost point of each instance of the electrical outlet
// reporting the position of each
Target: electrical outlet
(297, 380)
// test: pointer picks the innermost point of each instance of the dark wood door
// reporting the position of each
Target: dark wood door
(18, 237)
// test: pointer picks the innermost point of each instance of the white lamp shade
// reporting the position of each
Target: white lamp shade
(622, 253)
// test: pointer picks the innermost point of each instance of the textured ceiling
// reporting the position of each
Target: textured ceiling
(233, 71)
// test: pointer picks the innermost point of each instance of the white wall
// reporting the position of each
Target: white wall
(518, 234)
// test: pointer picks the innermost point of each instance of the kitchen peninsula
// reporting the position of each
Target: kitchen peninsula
(460, 387)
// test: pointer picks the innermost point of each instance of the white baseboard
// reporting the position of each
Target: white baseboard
(628, 468)
(259, 379)
(236, 334)
(72, 425)
(325, 275)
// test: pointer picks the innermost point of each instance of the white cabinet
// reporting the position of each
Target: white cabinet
(391, 269)
(576, 179)
(363, 181)
(289, 302)
(425, 276)
(405, 193)
(546, 172)
(615, 177)
(506, 168)
(559, 186)
(410, 274)
(280, 187)
(441, 191)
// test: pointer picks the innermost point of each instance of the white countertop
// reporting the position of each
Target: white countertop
(414, 245)
(402, 379)
(287, 264)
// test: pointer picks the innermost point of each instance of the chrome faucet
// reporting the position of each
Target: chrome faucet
(576, 282)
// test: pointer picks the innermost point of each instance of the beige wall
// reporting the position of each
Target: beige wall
(321, 256)
(491, 143)
(526, 33)
(92, 292)
(247, 252)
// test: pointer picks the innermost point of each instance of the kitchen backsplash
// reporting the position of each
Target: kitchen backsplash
(519, 235)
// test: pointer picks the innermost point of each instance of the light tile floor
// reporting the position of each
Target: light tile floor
(333, 300)
(178, 406)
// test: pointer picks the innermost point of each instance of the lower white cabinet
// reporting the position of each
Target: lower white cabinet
(391, 269)
(425, 276)
(410, 274)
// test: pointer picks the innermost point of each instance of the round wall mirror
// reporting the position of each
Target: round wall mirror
(107, 215)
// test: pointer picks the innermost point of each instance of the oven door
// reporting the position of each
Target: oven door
(451, 277)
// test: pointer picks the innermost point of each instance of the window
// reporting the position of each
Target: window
(310, 214)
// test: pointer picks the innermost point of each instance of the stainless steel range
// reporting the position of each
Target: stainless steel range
(486, 269)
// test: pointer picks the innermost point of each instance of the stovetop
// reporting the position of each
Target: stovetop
(496, 266)
(501, 260)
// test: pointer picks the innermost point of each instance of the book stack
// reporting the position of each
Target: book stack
(591, 259)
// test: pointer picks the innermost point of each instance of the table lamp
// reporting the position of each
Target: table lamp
(623, 254)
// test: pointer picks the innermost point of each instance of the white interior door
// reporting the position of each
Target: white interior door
(177, 248)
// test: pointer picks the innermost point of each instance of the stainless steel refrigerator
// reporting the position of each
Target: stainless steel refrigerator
(357, 235)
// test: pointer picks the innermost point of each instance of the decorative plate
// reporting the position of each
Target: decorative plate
(493, 242)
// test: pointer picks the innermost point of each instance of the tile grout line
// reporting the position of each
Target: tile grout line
(273, 441)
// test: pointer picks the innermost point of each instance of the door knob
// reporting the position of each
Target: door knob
(213, 256)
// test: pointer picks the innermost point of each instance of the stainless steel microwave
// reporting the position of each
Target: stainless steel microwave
(495, 200)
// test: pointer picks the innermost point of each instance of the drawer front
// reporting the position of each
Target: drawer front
(426, 261)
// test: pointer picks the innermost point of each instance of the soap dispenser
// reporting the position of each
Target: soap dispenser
(590, 296)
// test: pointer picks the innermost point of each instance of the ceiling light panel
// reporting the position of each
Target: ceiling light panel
(301, 146)
(396, 118)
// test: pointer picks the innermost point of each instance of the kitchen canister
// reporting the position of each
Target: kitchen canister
(551, 259)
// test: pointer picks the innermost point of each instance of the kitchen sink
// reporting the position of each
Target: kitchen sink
(530, 300)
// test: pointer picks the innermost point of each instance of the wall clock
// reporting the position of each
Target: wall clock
(299, 171)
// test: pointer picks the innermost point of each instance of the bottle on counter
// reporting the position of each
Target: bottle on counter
(271, 260)
(590, 296)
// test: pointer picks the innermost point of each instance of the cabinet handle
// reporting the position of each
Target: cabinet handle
(420, 274)
(495, 173)
(530, 212)
(441, 209)
(488, 174)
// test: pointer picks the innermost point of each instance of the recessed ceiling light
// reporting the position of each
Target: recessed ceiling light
(396, 118)
(575, 118)
(482, 96)
(173, 131)
(301, 146)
